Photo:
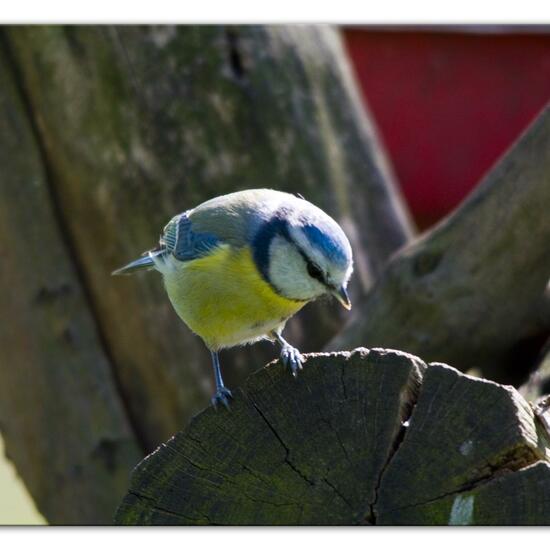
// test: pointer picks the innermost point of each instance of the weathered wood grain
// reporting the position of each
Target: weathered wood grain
(516, 498)
(139, 123)
(61, 416)
(469, 292)
(463, 433)
(304, 451)
(367, 437)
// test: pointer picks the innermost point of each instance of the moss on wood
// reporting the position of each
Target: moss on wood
(367, 437)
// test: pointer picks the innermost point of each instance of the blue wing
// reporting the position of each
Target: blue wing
(178, 239)
(183, 243)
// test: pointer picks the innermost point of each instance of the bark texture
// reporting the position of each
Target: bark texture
(62, 418)
(471, 291)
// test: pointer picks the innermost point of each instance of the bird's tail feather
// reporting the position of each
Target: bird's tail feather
(145, 262)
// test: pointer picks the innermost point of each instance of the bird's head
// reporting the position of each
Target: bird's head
(304, 254)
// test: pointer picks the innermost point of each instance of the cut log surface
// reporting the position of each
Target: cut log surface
(363, 437)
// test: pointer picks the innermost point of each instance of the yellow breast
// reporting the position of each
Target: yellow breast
(223, 298)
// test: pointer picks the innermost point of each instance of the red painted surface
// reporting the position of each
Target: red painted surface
(448, 104)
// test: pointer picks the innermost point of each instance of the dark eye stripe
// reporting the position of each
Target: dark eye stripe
(315, 272)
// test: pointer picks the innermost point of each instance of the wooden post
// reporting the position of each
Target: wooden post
(367, 437)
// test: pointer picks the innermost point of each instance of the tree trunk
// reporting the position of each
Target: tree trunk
(470, 292)
(118, 129)
(61, 416)
(368, 437)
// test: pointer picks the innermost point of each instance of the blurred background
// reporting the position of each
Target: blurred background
(107, 132)
(449, 101)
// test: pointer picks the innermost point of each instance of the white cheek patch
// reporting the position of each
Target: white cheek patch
(337, 276)
(288, 272)
(297, 235)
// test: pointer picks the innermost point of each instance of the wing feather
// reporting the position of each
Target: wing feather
(185, 244)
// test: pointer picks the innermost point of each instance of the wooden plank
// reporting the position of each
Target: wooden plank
(304, 451)
(61, 417)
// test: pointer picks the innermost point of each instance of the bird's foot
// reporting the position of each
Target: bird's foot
(292, 359)
(222, 396)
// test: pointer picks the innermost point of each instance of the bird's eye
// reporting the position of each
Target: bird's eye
(314, 271)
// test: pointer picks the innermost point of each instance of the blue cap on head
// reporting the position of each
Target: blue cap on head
(330, 241)
(317, 237)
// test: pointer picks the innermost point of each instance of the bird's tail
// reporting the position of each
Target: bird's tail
(145, 262)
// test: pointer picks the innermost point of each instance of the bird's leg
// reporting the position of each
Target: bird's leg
(290, 356)
(222, 394)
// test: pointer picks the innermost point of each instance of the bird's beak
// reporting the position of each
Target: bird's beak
(341, 295)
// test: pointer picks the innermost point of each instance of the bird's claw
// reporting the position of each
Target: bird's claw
(222, 396)
(292, 359)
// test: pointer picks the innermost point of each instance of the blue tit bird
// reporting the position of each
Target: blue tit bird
(238, 266)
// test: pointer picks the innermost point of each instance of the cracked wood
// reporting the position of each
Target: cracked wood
(367, 437)
(288, 451)
(464, 433)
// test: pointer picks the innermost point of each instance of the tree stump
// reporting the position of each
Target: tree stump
(363, 437)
